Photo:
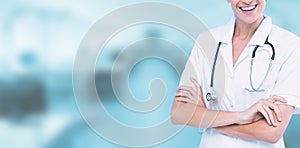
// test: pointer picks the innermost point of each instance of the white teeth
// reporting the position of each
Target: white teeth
(248, 8)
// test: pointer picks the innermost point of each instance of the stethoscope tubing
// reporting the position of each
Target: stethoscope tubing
(209, 96)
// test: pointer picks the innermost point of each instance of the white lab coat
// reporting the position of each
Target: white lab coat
(283, 78)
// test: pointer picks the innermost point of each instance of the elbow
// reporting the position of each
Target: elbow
(179, 118)
(174, 118)
(176, 113)
(273, 137)
(182, 114)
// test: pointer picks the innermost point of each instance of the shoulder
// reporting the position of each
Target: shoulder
(223, 33)
(286, 43)
(213, 35)
(219, 32)
(284, 37)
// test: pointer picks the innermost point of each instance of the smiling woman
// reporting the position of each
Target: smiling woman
(247, 11)
(40, 38)
(255, 118)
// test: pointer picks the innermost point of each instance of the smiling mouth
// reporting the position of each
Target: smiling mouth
(250, 8)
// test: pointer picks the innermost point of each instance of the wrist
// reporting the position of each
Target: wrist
(240, 118)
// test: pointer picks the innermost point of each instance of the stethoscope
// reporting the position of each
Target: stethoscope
(211, 94)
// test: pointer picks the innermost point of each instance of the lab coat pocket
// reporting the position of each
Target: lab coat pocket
(262, 88)
(261, 79)
(252, 97)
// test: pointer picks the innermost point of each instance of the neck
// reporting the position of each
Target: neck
(244, 30)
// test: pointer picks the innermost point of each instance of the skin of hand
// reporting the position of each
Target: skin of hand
(264, 108)
(260, 130)
(188, 94)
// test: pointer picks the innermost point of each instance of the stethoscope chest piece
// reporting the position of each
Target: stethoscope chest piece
(211, 96)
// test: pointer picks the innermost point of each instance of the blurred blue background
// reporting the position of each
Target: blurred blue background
(38, 44)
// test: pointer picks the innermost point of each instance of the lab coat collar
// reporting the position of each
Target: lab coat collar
(227, 33)
(262, 32)
(258, 38)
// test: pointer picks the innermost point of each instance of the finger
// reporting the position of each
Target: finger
(270, 114)
(193, 95)
(183, 87)
(185, 100)
(276, 110)
(187, 88)
(182, 99)
(184, 94)
(265, 115)
(258, 117)
(197, 85)
(274, 99)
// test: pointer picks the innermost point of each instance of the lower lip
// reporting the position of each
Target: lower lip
(249, 12)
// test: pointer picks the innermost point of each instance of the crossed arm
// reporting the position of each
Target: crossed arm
(262, 121)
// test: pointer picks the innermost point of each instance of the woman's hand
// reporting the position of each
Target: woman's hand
(263, 109)
(188, 94)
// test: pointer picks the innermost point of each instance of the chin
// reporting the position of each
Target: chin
(248, 20)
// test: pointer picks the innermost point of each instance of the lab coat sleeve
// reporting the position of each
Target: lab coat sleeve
(288, 81)
(196, 67)
(192, 68)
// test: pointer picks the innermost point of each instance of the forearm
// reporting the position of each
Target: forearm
(260, 130)
(196, 116)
